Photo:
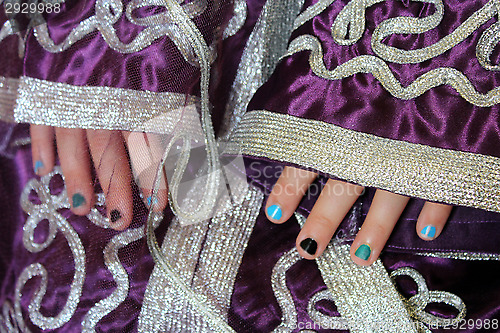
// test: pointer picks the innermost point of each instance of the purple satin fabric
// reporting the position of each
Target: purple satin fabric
(91, 62)
(439, 117)
(255, 309)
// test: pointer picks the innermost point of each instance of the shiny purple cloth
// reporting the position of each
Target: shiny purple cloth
(91, 62)
(254, 308)
(439, 117)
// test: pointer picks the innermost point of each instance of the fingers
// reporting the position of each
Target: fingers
(385, 210)
(42, 149)
(287, 193)
(432, 219)
(111, 164)
(75, 164)
(334, 202)
(146, 151)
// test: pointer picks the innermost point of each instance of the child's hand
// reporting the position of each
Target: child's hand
(77, 149)
(334, 203)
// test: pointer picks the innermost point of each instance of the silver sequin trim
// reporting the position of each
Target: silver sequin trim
(365, 296)
(265, 45)
(120, 276)
(47, 209)
(282, 293)
(321, 319)
(381, 71)
(8, 94)
(416, 304)
(238, 19)
(191, 290)
(107, 13)
(311, 12)
(461, 255)
(410, 169)
(63, 105)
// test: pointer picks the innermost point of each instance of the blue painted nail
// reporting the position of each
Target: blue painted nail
(155, 201)
(38, 165)
(363, 252)
(78, 200)
(429, 231)
(274, 212)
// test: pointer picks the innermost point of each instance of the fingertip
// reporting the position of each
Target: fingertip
(428, 233)
(432, 219)
(119, 220)
(42, 149)
(308, 247)
(362, 254)
(156, 203)
(274, 213)
(81, 202)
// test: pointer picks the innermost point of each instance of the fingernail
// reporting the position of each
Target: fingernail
(274, 212)
(309, 245)
(38, 166)
(78, 200)
(115, 215)
(154, 202)
(429, 231)
(363, 252)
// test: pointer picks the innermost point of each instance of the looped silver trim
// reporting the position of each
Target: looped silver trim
(486, 44)
(282, 293)
(323, 320)
(416, 304)
(381, 71)
(107, 13)
(48, 209)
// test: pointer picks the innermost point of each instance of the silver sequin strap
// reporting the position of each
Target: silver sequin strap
(365, 296)
(8, 93)
(65, 105)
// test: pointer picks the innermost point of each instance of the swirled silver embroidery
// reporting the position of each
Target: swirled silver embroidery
(47, 209)
(266, 44)
(416, 304)
(120, 276)
(282, 293)
(323, 320)
(311, 12)
(236, 22)
(107, 13)
(381, 71)
(485, 46)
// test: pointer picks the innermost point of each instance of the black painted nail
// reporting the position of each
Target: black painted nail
(309, 245)
(115, 215)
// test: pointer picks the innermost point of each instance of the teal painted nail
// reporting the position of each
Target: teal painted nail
(38, 165)
(429, 231)
(274, 212)
(363, 252)
(149, 199)
(78, 200)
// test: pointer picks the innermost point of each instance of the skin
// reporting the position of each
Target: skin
(78, 150)
(334, 203)
(109, 152)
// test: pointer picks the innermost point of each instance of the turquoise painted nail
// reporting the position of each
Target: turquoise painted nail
(274, 212)
(429, 231)
(363, 252)
(149, 199)
(38, 165)
(78, 200)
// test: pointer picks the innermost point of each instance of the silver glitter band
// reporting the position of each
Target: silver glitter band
(8, 94)
(426, 172)
(63, 105)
